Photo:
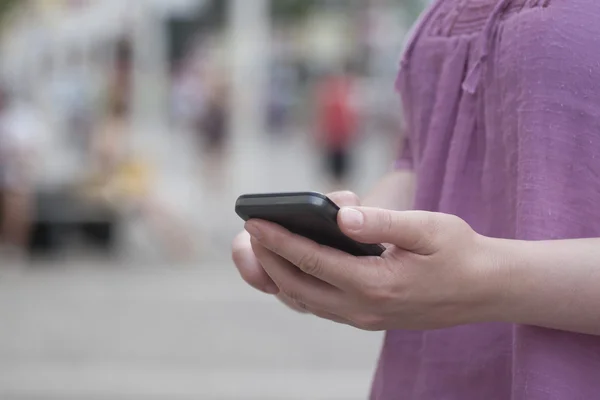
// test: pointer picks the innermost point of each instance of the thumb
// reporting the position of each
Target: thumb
(344, 199)
(415, 231)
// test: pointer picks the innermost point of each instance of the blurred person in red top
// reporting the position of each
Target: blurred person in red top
(337, 122)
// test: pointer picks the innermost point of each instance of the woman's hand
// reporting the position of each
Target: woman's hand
(250, 267)
(436, 274)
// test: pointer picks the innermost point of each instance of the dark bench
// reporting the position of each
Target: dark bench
(59, 216)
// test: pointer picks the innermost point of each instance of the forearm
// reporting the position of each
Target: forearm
(553, 284)
(395, 191)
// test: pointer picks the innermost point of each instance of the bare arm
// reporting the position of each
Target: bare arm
(395, 191)
(553, 284)
(460, 276)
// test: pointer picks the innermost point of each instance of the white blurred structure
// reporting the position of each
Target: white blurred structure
(63, 53)
(44, 34)
(249, 22)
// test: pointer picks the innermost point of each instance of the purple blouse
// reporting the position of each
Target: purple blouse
(502, 102)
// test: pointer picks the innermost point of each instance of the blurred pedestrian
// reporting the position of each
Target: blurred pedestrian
(213, 129)
(337, 119)
(20, 134)
(126, 183)
(282, 86)
(187, 97)
(214, 123)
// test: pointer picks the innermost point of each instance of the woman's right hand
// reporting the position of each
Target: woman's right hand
(253, 273)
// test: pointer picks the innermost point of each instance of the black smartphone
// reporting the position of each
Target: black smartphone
(309, 214)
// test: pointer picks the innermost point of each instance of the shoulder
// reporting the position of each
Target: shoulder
(551, 49)
(550, 33)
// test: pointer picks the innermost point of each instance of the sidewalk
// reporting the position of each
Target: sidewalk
(103, 333)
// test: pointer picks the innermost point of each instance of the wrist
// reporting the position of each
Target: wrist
(516, 280)
(496, 262)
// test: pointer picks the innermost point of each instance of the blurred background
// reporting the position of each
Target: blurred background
(127, 130)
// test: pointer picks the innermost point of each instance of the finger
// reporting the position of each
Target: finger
(329, 316)
(304, 309)
(335, 267)
(344, 199)
(298, 307)
(302, 289)
(249, 267)
(415, 231)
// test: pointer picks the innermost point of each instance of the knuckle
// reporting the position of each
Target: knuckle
(302, 307)
(294, 296)
(378, 293)
(275, 242)
(298, 307)
(433, 224)
(311, 264)
(386, 221)
(430, 226)
(256, 247)
(456, 223)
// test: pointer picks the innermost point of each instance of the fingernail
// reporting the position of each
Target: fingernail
(271, 289)
(352, 218)
(253, 230)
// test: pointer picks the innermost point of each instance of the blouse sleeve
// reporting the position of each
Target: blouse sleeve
(405, 158)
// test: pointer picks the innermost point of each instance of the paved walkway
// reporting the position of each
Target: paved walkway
(106, 332)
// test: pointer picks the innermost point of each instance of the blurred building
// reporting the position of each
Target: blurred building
(45, 37)
(64, 54)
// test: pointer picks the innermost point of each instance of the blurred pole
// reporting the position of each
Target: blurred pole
(150, 68)
(249, 22)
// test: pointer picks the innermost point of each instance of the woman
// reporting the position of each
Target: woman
(337, 125)
(501, 99)
(20, 133)
(213, 133)
(125, 182)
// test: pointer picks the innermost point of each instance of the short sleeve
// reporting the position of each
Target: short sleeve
(548, 82)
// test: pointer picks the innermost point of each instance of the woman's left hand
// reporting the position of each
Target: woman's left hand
(437, 273)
